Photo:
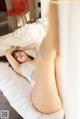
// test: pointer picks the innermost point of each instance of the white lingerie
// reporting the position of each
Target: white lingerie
(28, 71)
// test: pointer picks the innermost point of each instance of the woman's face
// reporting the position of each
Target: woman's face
(21, 56)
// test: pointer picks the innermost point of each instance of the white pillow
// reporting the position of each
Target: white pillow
(25, 35)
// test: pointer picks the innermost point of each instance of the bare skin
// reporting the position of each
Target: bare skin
(58, 77)
(14, 63)
(45, 95)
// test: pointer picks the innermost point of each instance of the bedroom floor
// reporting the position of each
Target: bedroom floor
(4, 105)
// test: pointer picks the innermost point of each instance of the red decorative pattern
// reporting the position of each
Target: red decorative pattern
(20, 7)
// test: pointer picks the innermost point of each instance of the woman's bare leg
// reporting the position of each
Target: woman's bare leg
(58, 77)
(51, 41)
(45, 94)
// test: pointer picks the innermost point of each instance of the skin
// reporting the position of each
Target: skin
(21, 57)
(14, 63)
(46, 93)
(47, 90)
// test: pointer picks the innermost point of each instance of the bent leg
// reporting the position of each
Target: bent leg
(45, 95)
(58, 77)
(51, 41)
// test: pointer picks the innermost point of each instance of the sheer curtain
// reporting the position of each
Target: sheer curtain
(69, 18)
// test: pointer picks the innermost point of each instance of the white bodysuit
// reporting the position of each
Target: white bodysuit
(28, 71)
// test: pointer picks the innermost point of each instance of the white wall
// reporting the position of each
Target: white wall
(75, 56)
(69, 15)
(44, 8)
(64, 20)
(69, 19)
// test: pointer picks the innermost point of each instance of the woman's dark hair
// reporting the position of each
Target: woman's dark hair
(13, 54)
(4, 59)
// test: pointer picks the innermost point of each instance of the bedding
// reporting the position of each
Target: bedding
(18, 92)
(14, 87)
(25, 35)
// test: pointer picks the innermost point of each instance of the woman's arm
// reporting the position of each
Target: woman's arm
(31, 46)
(15, 65)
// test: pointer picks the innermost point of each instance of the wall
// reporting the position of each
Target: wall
(44, 8)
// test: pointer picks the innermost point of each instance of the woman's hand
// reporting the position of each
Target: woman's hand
(19, 48)
(10, 50)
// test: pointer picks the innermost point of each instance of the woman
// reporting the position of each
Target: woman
(46, 93)
(19, 59)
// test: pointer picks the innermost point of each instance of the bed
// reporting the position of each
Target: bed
(15, 88)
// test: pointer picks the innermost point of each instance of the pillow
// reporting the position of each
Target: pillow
(25, 35)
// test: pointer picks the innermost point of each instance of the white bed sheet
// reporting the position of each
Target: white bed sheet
(18, 92)
(15, 88)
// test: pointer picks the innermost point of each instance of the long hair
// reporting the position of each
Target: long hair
(14, 53)
(4, 59)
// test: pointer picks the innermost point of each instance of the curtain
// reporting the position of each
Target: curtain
(69, 20)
